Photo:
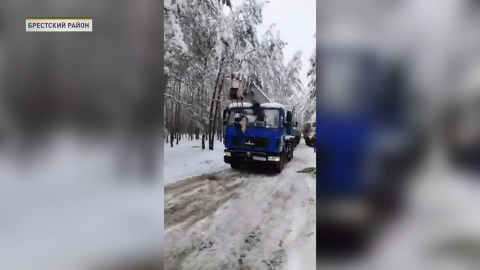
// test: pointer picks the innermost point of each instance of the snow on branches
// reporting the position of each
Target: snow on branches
(312, 74)
(204, 45)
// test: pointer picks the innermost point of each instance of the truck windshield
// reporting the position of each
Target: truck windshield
(271, 117)
(338, 82)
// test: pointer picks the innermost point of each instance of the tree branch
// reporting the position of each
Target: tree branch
(178, 101)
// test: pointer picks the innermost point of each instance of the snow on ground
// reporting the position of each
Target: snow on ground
(227, 219)
(79, 228)
(439, 229)
(70, 210)
(188, 159)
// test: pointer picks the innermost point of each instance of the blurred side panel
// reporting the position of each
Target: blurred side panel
(81, 164)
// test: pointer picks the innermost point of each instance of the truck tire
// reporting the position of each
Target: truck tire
(235, 165)
(279, 166)
(290, 154)
(297, 140)
(307, 141)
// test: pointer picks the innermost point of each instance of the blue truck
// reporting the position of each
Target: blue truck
(368, 138)
(257, 132)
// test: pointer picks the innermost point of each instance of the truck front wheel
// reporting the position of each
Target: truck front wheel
(290, 153)
(235, 165)
(279, 166)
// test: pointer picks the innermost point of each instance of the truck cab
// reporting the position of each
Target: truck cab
(367, 134)
(258, 134)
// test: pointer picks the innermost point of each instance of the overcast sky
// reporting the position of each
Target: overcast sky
(295, 19)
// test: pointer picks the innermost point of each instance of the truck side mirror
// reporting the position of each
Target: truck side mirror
(225, 116)
(289, 117)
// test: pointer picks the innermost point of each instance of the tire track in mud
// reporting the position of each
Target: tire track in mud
(268, 237)
(189, 202)
(277, 225)
(190, 183)
(250, 235)
(195, 198)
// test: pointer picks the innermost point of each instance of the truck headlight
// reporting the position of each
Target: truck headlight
(227, 154)
(273, 158)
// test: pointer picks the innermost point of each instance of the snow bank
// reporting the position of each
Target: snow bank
(439, 227)
(188, 159)
(70, 209)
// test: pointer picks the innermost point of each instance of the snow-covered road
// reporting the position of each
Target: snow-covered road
(227, 219)
(439, 228)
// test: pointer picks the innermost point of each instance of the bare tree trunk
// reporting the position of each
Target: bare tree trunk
(219, 122)
(177, 116)
(217, 107)
(202, 102)
(171, 126)
(211, 121)
(167, 114)
(222, 127)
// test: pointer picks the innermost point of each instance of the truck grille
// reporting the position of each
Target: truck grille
(251, 142)
(256, 142)
(235, 141)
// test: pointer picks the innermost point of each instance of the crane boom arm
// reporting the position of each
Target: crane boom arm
(255, 95)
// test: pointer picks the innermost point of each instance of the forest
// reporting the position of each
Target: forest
(204, 45)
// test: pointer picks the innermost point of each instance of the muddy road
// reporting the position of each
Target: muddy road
(242, 219)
